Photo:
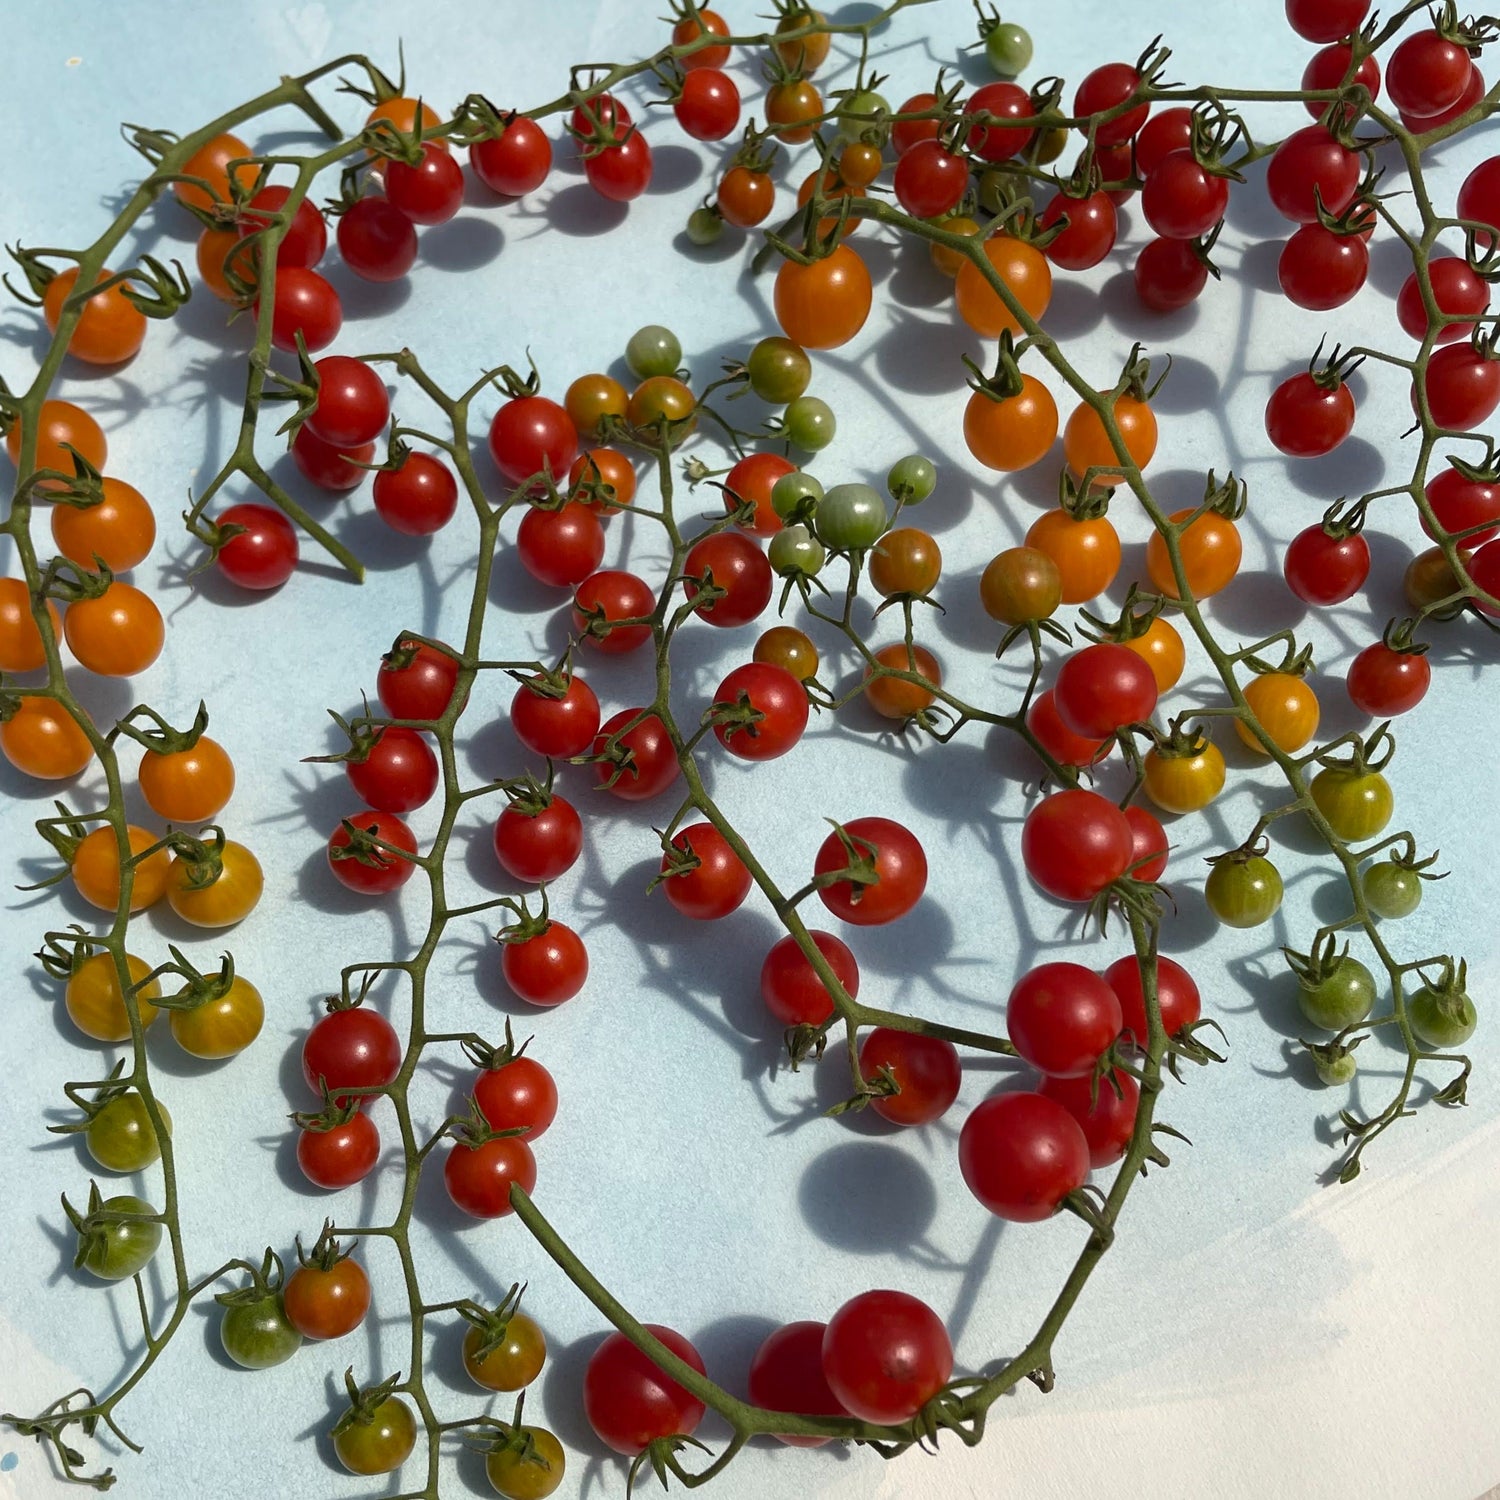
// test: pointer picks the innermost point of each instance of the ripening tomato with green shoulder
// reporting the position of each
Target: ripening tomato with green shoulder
(1086, 550)
(96, 1004)
(1287, 709)
(508, 1359)
(1210, 548)
(227, 898)
(1020, 585)
(592, 398)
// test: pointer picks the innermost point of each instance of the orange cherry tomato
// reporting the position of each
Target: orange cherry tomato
(591, 398)
(119, 532)
(905, 561)
(602, 466)
(211, 162)
(230, 898)
(96, 869)
(860, 164)
(1020, 585)
(402, 113)
(61, 422)
(1211, 550)
(43, 740)
(328, 1302)
(809, 53)
(823, 305)
(1287, 709)
(746, 198)
(833, 187)
(96, 1004)
(21, 648)
(1086, 443)
(786, 646)
(214, 249)
(949, 261)
(1024, 270)
(892, 698)
(661, 396)
(187, 786)
(110, 329)
(1015, 431)
(117, 634)
(793, 105)
(690, 28)
(1160, 647)
(1087, 552)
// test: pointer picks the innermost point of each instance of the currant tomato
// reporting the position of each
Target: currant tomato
(1309, 166)
(791, 987)
(350, 1048)
(416, 681)
(532, 435)
(536, 847)
(885, 1355)
(1456, 290)
(1027, 275)
(417, 498)
(517, 1094)
(262, 554)
(732, 562)
(1012, 432)
(377, 241)
(372, 872)
(1320, 269)
(823, 305)
(340, 1154)
(117, 633)
(713, 887)
(627, 1399)
(1176, 996)
(1181, 198)
(516, 161)
(926, 1070)
(547, 968)
(1384, 681)
(606, 598)
(1104, 1109)
(1102, 688)
(555, 725)
(1062, 1018)
(650, 764)
(1308, 416)
(787, 1375)
(1075, 843)
(1324, 567)
(1169, 275)
(1021, 1154)
(778, 704)
(900, 871)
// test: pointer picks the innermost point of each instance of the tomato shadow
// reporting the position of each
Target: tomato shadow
(1258, 267)
(1255, 604)
(383, 550)
(915, 282)
(581, 213)
(465, 243)
(1390, 265)
(1353, 468)
(673, 168)
(1076, 309)
(1273, 987)
(923, 356)
(975, 1276)
(364, 300)
(870, 1198)
(561, 1389)
(731, 242)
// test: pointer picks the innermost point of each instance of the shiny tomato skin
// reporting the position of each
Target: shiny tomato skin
(885, 1355)
(1176, 994)
(327, 1304)
(787, 1375)
(736, 564)
(1384, 682)
(479, 1177)
(334, 469)
(1060, 742)
(536, 848)
(420, 690)
(620, 173)
(630, 1402)
(518, 1093)
(1062, 1018)
(264, 554)
(1323, 569)
(1459, 503)
(558, 727)
(1102, 688)
(418, 498)
(654, 765)
(379, 871)
(400, 773)
(1106, 1118)
(1181, 199)
(304, 303)
(790, 986)
(560, 547)
(546, 969)
(713, 888)
(1075, 843)
(1148, 844)
(516, 161)
(926, 1068)
(429, 191)
(530, 435)
(616, 595)
(376, 240)
(823, 305)
(1310, 159)
(353, 1048)
(900, 871)
(1021, 1154)
(777, 697)
(753, 478)
(340, 1156)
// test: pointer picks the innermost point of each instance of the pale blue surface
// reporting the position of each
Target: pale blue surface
(1243, 1303)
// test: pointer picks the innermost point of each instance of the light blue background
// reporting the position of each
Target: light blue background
(1251, 1334)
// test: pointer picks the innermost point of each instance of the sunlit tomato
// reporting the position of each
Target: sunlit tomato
(716, 885)
(925, 1068)
(1162, 134)
(1309, 415)
(1456, 290)
(592, 398)
(96, 1004)
(520, 1092)
(791, 106)
(61, 426)
(730, 561)
(406, 115)
(1087, 444)
(906, 133)
(823, 305)
(900, 870)
(1161, 648)
(893, 698)
(1105, 1110)
(753, 478)
(745, 197)
(945, 257)
(350, 1047)
(791, 987)
(831, 186)
(779, 706)
(416, 681)
(1176, 995)
(709, 107)
(306, 237)
(536, 845)
(905, 561)
(787, 1375)
(228, 899)
(558, 726)
(96, 869)
(1148, 856)
(21, 648)
(885, 1355)
(1103, 687)
(429, 190)
(1181, 199)
(1026, 275)
(1427, 73)
(43, 740)
(1019, 585)
(1357, 804)
(110, 328)
(930, 180)
(620, 173)
(560, 547)
(210, 163)
(1075, 843)
(418, 497)
(1021, 1155)
(508, 1359)
(1065, 747)
(603, 479)
(627, 1399)
(860, 163)
(1013, 432)
(222, 1026)
(1325, 20)
(786, 646)
(1287, 709)
(343, 1153)
(1184, 783)
(1086, 552)
(1324, 568)
(702, 23)
(650, 763)
(806, 54)
(606, 598)
(1210, 549)
(1384, 681)
(1319, 269)
(516, 161)
(1308, 168)
(377, 241)
(305, 303)
(1062, 1018)
(1090, 232)
(372, 871)
(327, 1302)
(531, 435)
(1459, 503)
(479, 1176)
(1462, 385)
(1169, 275)
(119, 532)
(117, 633)
(1015, 121)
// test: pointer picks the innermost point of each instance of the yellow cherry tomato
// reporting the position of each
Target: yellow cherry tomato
(223, 1026)
(228, 899)
(1184, 783)
(1287, 709)
(96, 1004)
(96, 869)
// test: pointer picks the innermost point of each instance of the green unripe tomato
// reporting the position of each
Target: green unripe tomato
(1442, 1018)
(258, 1334)
(1336, 1070)
(113, 1252)
(1342, 996)
(912, 479)
(1391, 889)
(1243, 892)
(524, 1478)
(810, 424)
(704, 226)
(1008, 49)
(779, 370)
(794, 549)
(653, 350)
(120, 1137)
(860, 102)
(851, 518)
(379, 1441)
(795, 496)
(1357, 804)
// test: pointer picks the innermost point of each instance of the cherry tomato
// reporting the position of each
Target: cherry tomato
(263, 555)
(417, 498)
(96, 869)
(1322, 568)
(745, 197)
(1062, 1018)
(1075, 843)
(1427, 73)
(350, 1048)
(479, 1177)
(602, 479)
(21, 648)
(925, 1067)
(1021, 584)
(1087, 445)
(1210, 548)
(894, 698)
(1243, 892)
(1357, 804)
(304, 303)
(620, 173)
(1161, 648)
(537, 847)
(1459, 503)
(429, 192)
(778, 700)
(1391, 889)
(1462, 386)
(1479, 197)
(1086, 553)
(341, 1155)
(1013, 432)
(703, 22)
(1021, 1155)
(1105, 1111)
(419, 687)
(532, 435)
(790, 986)
(42, 739)
(519, 1093)
(1106, 88)
(1010, 105)
(228, 899)
(1090, 232)
(1287, 709)
(222, 1026)
(787, 1375)
(1176, 994)
(607, 597)
(792, 105)
(1169, 275)
(96, 1004)
(1102, 688)
(1184, 783)
(860, 163)
(1181, 198)
(118, 633)
(557, 727)
(651, 766)
(110, 328)
(125, 1246)
(1320, 269)
(1384, 682)
(530, 1471)
(930, 180)
(907, 133)
(120, 1136)
(709, 108)
(352, 406)
(512, 1363)
(1161, 135)
(1325, 20)
(592, 398)
(1306, 418)
(900, 869)
(662, 398)
(327, 1303)
(732, 562)
(1026, 274)
(1065, 747)
(562, 547)
(372, 872)
(1456, 290)
(823, 305)
(330, 468)
(885, 1355)
(627, 1399)
(753, 478)
(546, 969)
(716, 885)
(398, 775)
(61, 426)
(380, 1441)
(306, 237)
(1149, 847)
(405, 115)
(786, 646)
(516, 161)
(1311, 159)
(905, 561)
(210, 164)
(945, 257)
(377, 241)
(807, 54)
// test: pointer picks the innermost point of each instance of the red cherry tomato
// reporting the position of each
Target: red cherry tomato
(651, 765)
(627, 1399)
(790, 986)
(479, 1177)
(709, 107)
(418, 498)
(1462, 386)
(1105, 88)
(753, 479)
(1310, 159)
(735, 563)
(716, 885)
(328, 467)
(352, 406)
(1161, 135)
(930, 180)
(420, 688)
(1325, 20)
(560, 547)
(926, 1068)
(1458, 504)
(519, 1093)
(558, 727)
(779, 701)
(378, 242)
(1075, 843)
(1102, 688)
(307, 304)
(1176, 994)
(1021, 1155)
(900, 872)
(1457, 292)
(548, 968)
(1329, 69)
(608, 596)
(620, 173)
(340, 1156)
(1090, 234)
(885, 1355)
(1065, 747)
(1062, 1018)
(1319, 269)
(1306, 418)
(1106, 1117)
(261, 556)
(1169, 275)
(537, 847)
(531, 435)
(373, 872)
(787, 1375)
(1427, 73)
(1384, 682)
(1325, 569)
(1148, 844)
(399, 774)
(516, 161)
(306, 237)
(430, 192)
(353, 1048)
(1007, 102)
(1182, 199)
